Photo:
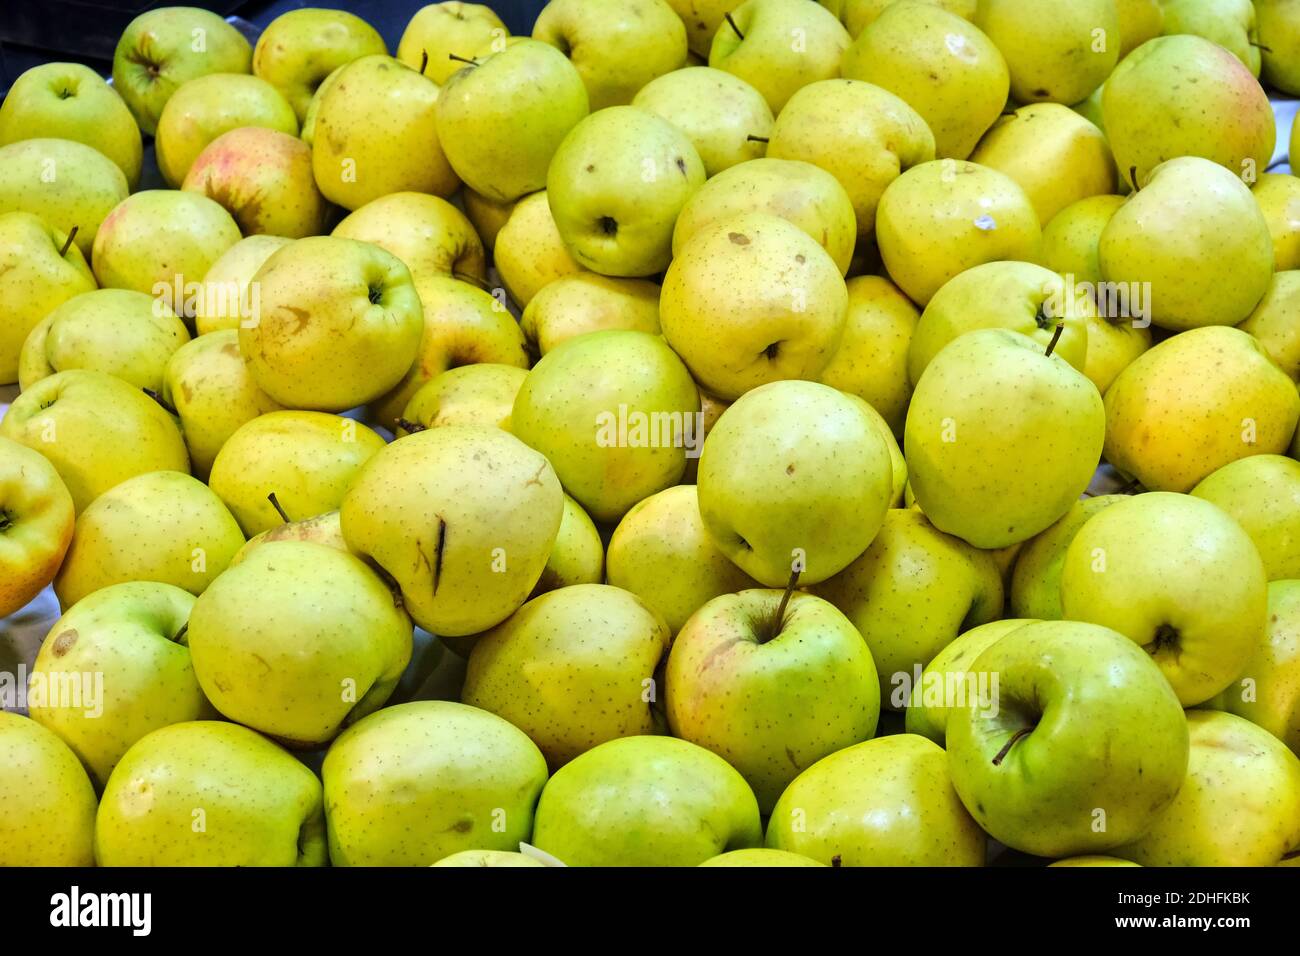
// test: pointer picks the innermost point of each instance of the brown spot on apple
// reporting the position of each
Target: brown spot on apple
(64, 641)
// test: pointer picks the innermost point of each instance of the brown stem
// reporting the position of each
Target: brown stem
(1006, 748)
(424, 59)
(756, 139)
(1133, 178)
(461, 59)
(732, 22)
(779, 618)
(275, 503)
(159, 399)
(68, 243)
(1056, 337)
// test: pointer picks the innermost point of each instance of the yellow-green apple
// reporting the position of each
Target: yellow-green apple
(615, 412)
(646, 801)
(49, 801)
(299, 49)
(481, 394)
(857, 15)
(1195, 402)
(1267, 691)
(96, 430)
(326, 529)
(1196, 238)
(1275, 323)
(795, 477)
(376, 133)
(1229, 23)
(306, 459)
(69, 185)
(1139, 21)
(799, 192)
(438, 34)
(578, 555)
(1278, 26)
(248, 630)
(760, 856)
(1185, 96)
(339, 324)
(750, 300)
(1057, 50)
(1262, 493)
(308, 132)
(779, 46)
(263, 178)
(772, 682)
(36, 523)
(572, 669)
(615, 187)
(1239, 806)
(943, 217)
(162, 526)
(163, 48)
(462, 518)
(487, 215)
(1093, 859)
(162, 242)
(1081, 749)
(489, 858)
(702, 19)
(72, 101)
(227, 294)
(726, 118)
(430, 235)
(711, 409)
(990, 410)
(1278, 195)
(885, 802)
(529, 253)
(898, 487)
(210, 793)
(415, 783)
(944, 67)
(1180, 578)
(39, 270)
(1036, 579)
(588, 302)
(128, 334)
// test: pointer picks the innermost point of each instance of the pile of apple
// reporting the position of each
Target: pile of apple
(1063, 249)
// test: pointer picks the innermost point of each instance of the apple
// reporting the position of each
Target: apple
(487, 215)
(36, 524)
(96, 430)
(1057, 50)
(1084, 748)
(489, 858)
(1274, 322)
(326, 529)
(481, 394)
(760, 857)
(70, 186)
(1262, 493)
(339, 324)
(885, 802)
(578, 555)
(898, 465)
(1036, 579)
(49, 817)
(702, 19)
(1267, 692)
(1278, 196)
(210, 793)
(588, 302)
(308, 131)
(462, 518)
(646, 801)
(1194, 403)
(163, 48)
(1278, 27)
(1093, 859)
(307, 460)
(529, 252)
(430, 235)
(72, 101)
(300, 48)
(440, 30)
(1229, 23)
(419, 782)
(1139, 21)
(226, 296)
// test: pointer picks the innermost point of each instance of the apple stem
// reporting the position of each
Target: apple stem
(182, 634)
(1006, 748)
(1056, 337)
(732, 22)
(1133, 178)
(1260, 46)
(424, 59)
(756, 139)
(68, 242)
(159, 399)
(275, 503)
(409, 426)
(779, 618)
(461, 59)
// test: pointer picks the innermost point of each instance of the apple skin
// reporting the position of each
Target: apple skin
(702, 19)
(438, 30)
(578, 555)
(1275, 323)
(226, 283)
(588, 302)
(96, 430)
(646, 801)
(430, 235)
(1036, 578)
(156, 54)
(1098, 741)
(1279, 39)
(529, 252)
(884, 802)
(326, 529)
(49, 802)
(261, 806)
(1094, 859)
(72, 101)
(760, 857)
(1229, 23)
(1180, 578)
(1262, 493)
(725, 117)
(1139, 21)
(1051, 46)
(36, 527)
(300, 48)
(487, 215)
(1278, 196)
(489, 858)
(481, 394)
(1072, 236)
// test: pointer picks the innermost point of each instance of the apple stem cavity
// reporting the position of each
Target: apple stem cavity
(1006, 748)
(1056, 337)
(732, 23)
(1133, 178)
(406, 425)
(275, 503)
(779, 618)
(67, 244)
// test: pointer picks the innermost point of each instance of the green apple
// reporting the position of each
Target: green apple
(944, 67)
(1278, 23)
(36, 524)
(482, 394)
(96, 430)
(615, 412)
(376, 133)
(885, 802)
(209, 793)
(49, 802)
(1185, 96)
(1234, 766)
(1229, 23)
(702, 19)
(300, 48)
(1262, 493)
(225, 294)
(578, 555)
(430, 235)
(1267, 692)
(462, 518)
(163, 48)
(72, 101)
(799, 192)
(572, 669)
(1278, 196)
(248, 630)
(1080, 750)
(772, 682)
(726, 118)
(795, 476)
(1139, 21)
(662, 553)
(326, 529)
(339, 323)
(308, 131)
(646, 801)
(750, 300)
(779, 46)
(1275, 323)
(131, 636)
(39, 270)
(615, 187)
(127, 334)
(487, 215)
(898, 487)
(588, 302)
(308, 460)
(943, 217)
(1093, 859)
(1057, 50)
(1036, 580)
(67, 184)
(416, 783)
(759, 856)
(1194, 403)
(501, 120)
(489, 858)
(1178, 576)
(529, 253)
(439, 33)
(991, 411)
(857, 15)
